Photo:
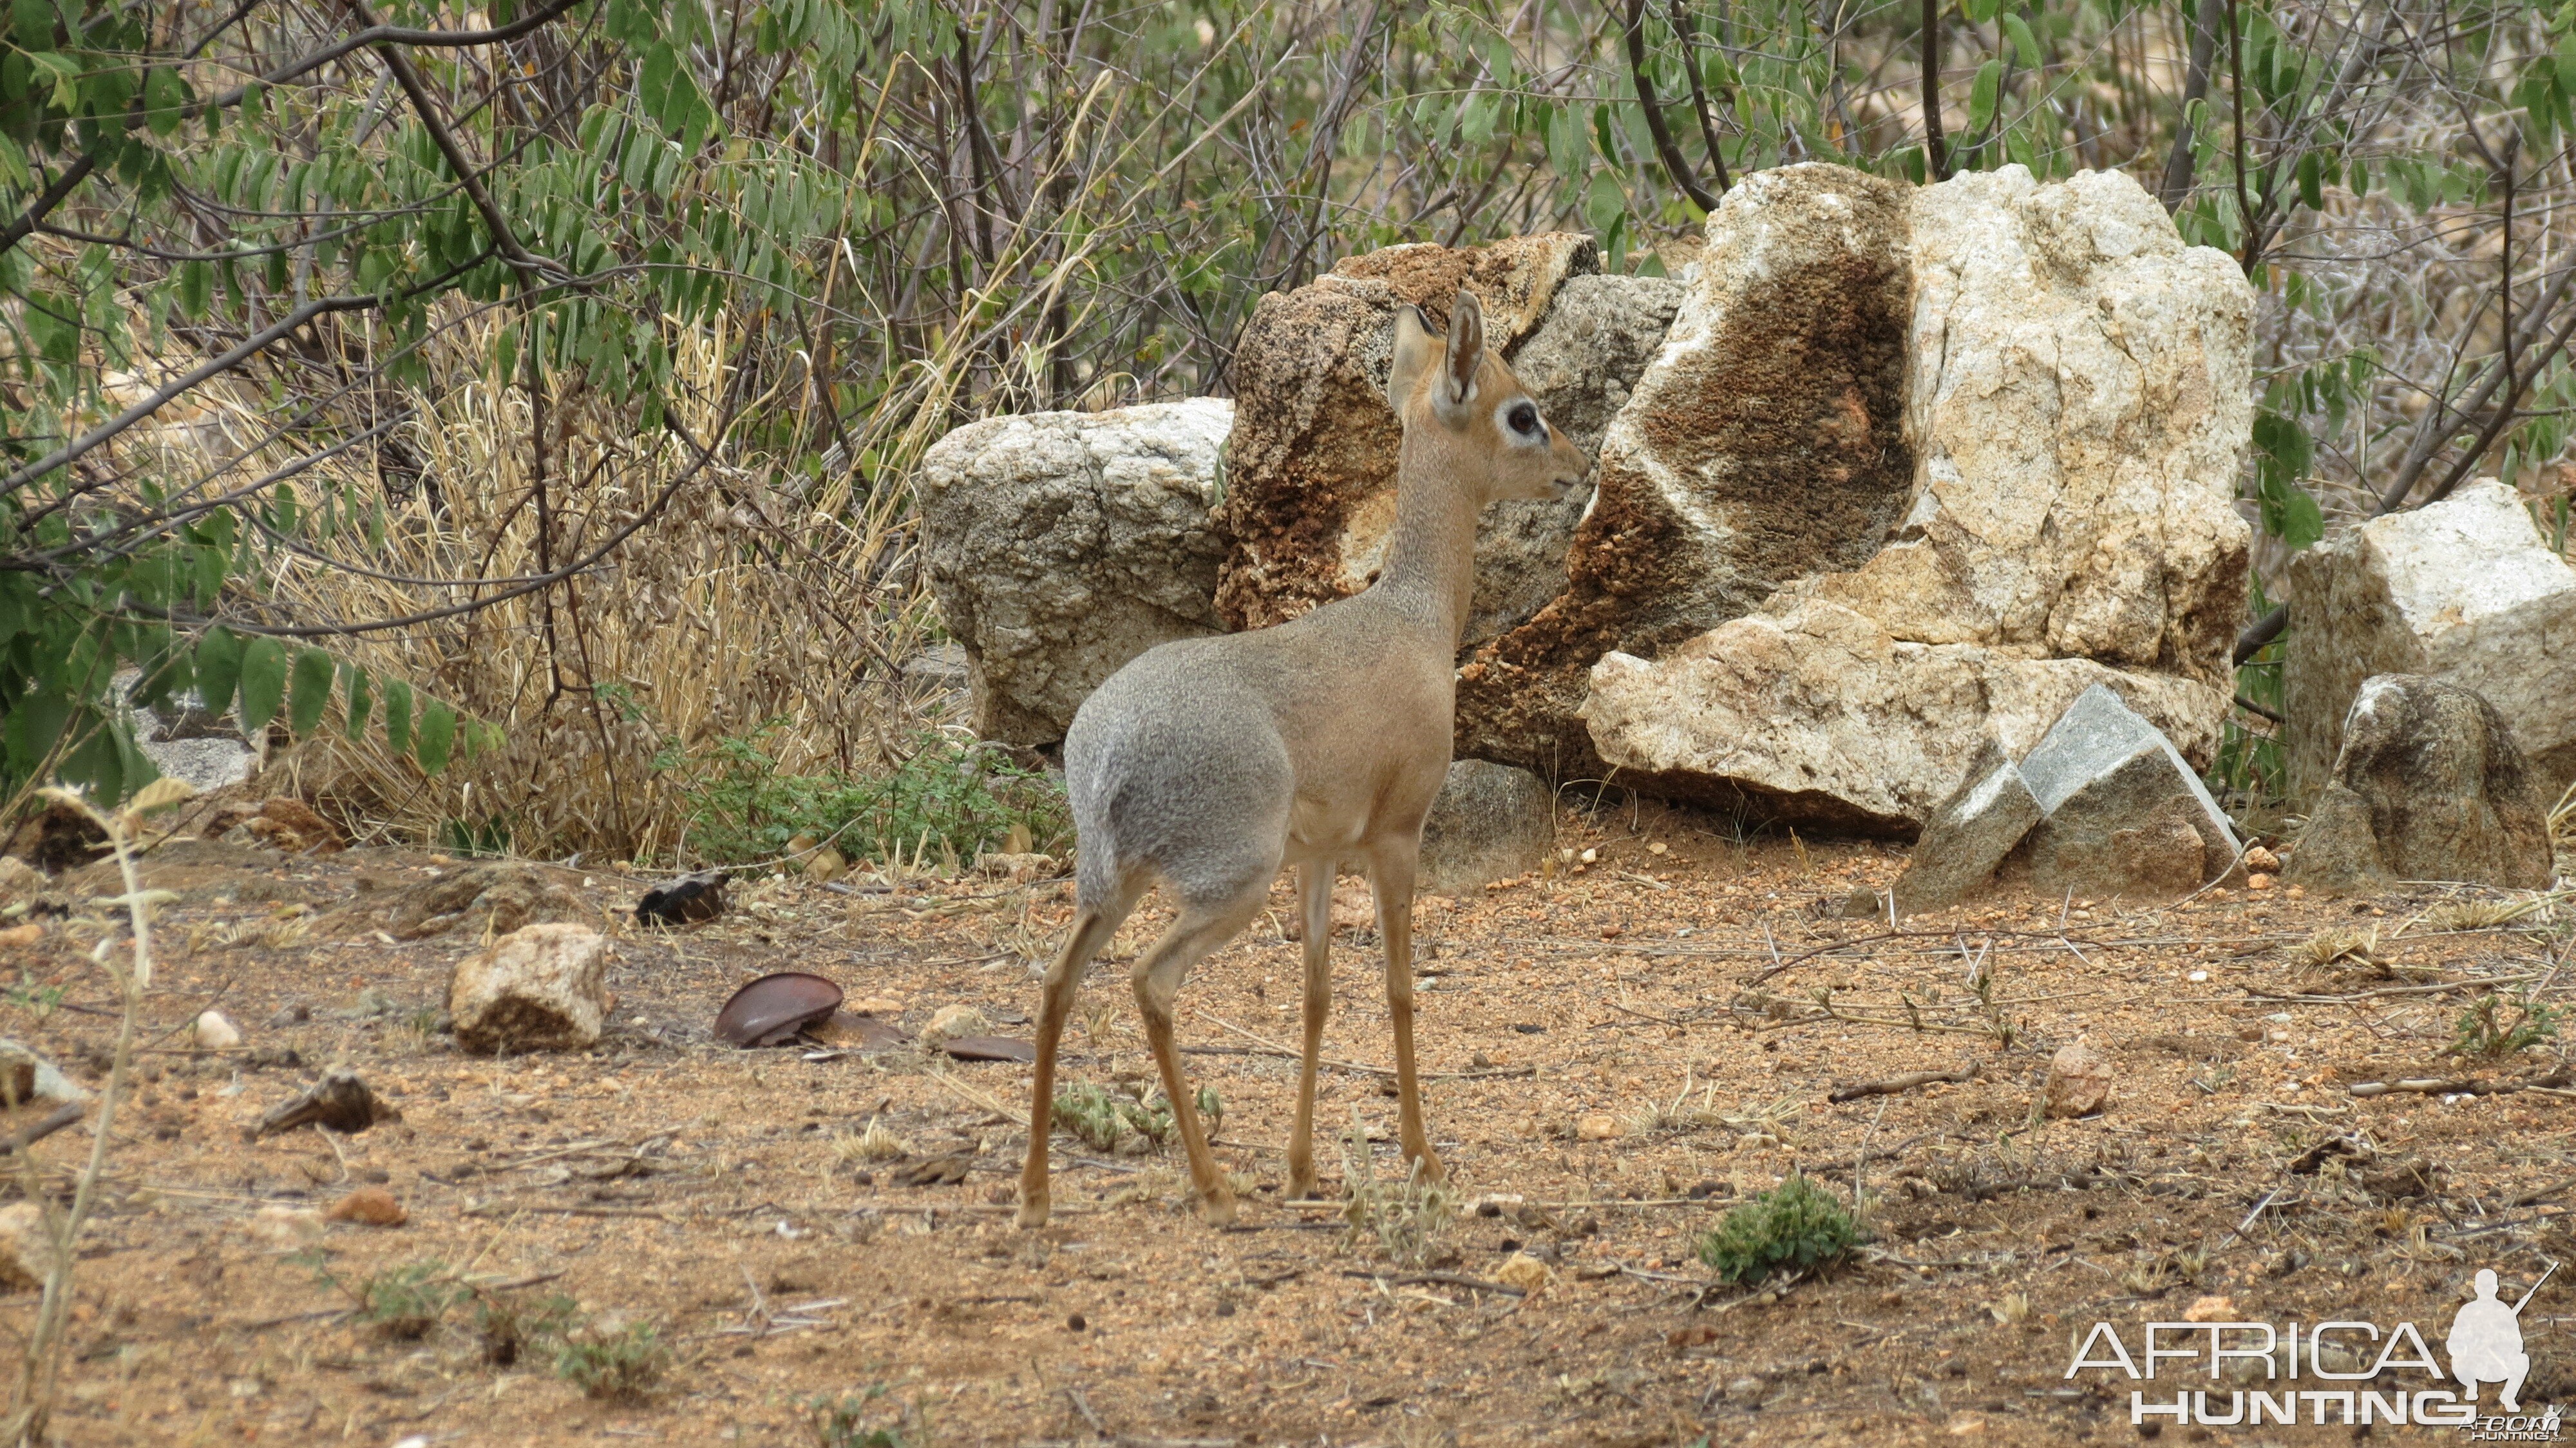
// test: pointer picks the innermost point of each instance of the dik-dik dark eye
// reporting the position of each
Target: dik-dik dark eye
(1524, 420)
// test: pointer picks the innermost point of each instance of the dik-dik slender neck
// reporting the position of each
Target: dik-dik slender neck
(1431, 559)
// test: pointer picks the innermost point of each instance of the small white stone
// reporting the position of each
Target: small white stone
(214, 1033)
(26, 1250)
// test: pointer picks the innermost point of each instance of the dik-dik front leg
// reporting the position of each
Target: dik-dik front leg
(1315, 914)
(1391, 871)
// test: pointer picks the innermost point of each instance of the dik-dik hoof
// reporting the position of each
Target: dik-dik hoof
(1217, 1208)
(1033, 1213)
(1432, 1171)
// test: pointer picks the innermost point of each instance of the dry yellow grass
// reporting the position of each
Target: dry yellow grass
(752, 595)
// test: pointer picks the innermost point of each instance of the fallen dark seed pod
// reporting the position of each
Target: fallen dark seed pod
(772, 1009)
(339, 1101)
(684, 901)
(937, 1171)
(990, 1048)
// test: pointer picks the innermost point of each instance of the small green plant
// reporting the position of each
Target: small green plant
(619, 1367)
(37, 1000)
(1405, 1215)
(852, 1421)
(2496, 1026)
(406, 1302)
(485, 837)
(947, 801)
(1102, 1118)
(1796, 1227)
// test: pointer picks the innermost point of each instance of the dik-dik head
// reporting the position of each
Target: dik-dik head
(1487, 429)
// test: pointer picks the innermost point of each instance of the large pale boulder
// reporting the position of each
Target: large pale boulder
(2077, 392)
(1763, 443)
(1578, 365)
(2428, 786)
(1817, 715)
(538, 988)
(2464, 591)
(1062, 544)
(1310, 504)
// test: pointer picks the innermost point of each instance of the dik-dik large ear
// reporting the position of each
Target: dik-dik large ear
(1417, 350)
(1466, 349)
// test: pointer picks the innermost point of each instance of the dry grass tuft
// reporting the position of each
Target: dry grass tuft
(1406, 1216)
(2359, 945)
(875, 1144)
(2485, 914)
(752, 596)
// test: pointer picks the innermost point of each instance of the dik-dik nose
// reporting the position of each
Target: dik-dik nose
(1572, 467)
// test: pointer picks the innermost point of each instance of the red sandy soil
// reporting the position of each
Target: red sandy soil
(1700, 1001)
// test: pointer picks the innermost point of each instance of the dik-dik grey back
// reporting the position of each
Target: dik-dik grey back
(1209, 763)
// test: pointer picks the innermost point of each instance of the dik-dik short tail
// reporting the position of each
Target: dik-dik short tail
(1206, 765)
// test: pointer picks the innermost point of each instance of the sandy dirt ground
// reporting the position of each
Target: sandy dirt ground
(1618, 1055)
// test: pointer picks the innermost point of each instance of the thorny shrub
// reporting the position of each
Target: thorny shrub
(1796, 1227)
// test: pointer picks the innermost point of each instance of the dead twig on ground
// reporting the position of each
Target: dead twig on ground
(1436, 1279)
(2466, 1086)
(1898, 1085)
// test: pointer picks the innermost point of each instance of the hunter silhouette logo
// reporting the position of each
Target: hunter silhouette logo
(2486, 1341)
(2345, 1370)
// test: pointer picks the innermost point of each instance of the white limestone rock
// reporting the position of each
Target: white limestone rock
(1062, 544)
(539, 988)
(2078, 393)
(1817, 715)
(2463, 591)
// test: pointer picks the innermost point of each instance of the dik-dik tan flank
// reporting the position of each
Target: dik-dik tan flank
(1207, 764)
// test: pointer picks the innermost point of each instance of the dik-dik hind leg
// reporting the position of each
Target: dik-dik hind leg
(1157, 978)
(1091, 930)
(1315, 914)
(1391, 871)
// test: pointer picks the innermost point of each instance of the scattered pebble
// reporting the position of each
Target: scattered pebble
(2079, 1081)
(2210, 1309)
(951, 1021)
(2262, 860)
(212, 1032)
(20, 936)
(2258, 882)
(26, 1251)
(1596, 1128)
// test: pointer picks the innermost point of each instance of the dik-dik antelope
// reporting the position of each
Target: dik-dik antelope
(1209, 763)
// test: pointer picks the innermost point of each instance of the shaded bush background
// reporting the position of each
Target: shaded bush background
(570, 362)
